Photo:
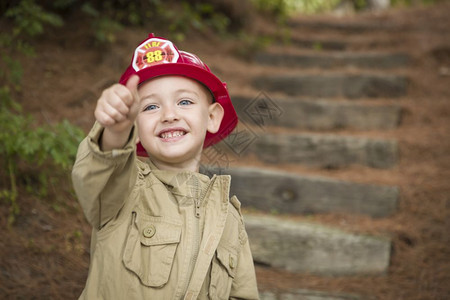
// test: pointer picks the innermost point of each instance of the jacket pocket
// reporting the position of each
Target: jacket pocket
(223, 270)
(150, 248)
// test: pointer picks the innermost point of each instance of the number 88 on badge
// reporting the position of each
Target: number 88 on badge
(152, 52)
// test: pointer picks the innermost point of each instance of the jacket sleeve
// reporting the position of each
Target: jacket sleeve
(103, 180)
(244, 284)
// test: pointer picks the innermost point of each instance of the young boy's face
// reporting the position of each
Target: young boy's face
(175, 114)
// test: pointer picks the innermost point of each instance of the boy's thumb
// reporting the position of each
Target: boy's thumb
(132, 85)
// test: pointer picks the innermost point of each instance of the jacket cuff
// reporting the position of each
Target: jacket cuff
(93, 139)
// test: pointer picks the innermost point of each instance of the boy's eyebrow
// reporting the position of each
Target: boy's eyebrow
(149, 96)
(179, 91)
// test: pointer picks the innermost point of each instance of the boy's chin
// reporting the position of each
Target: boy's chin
(175, 153)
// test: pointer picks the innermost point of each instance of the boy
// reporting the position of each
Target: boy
(161, 230)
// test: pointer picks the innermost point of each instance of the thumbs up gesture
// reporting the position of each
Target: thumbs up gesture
(116, 110)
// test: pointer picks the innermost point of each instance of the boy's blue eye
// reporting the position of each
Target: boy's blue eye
(150, 107)
(185, 102)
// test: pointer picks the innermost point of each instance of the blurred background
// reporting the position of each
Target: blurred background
(340, 158)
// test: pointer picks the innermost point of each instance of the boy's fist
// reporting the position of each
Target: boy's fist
(118, 106)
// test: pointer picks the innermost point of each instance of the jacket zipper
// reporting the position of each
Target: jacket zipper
(196, 247)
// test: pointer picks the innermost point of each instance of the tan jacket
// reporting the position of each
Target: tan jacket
(159, 234)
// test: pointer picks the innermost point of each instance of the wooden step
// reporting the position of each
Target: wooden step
(335, 85)
(265, 110)
(320, 44)
(303, 294)
(281, 192)
(335, 60)
(345, 27)
(311, 248)
(320, 150)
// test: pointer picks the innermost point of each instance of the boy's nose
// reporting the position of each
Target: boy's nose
(169, 114)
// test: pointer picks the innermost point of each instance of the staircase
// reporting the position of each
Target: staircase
(319, 109)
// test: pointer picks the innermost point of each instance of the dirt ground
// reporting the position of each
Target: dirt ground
(45, 255)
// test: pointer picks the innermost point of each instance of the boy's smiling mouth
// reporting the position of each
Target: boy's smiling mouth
(172, 134)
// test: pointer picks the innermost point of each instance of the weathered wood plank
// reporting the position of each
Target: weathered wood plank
(317, 114)
(320, 44)
(346, 27)
(325, 151)
(303, 294)
(275, 191)
(335, 60)
(306, 247)
(336, 85)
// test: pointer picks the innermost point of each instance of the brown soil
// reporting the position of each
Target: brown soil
(46, 253)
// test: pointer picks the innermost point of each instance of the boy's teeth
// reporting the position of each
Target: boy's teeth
(171, 134)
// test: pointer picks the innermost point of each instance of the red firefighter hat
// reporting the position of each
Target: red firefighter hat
(158, 56)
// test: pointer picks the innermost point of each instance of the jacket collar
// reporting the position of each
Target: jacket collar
(182, 183)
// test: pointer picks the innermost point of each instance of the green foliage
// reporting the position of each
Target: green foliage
(198, 16)
(359, 4)
(105, 30)
(202, 16)
(315, 6)
(413, 2)
(23, 141)
(278, 8)
(103, 27)
(107, 18)
(11, 72)
(30, 18)
(178, 17)
(284, 8)
(250, 44)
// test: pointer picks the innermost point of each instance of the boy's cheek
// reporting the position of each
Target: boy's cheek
(142, 122)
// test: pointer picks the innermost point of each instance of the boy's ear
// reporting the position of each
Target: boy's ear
(216, 113)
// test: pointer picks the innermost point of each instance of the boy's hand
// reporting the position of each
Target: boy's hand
(116, 111)
(117, 107)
